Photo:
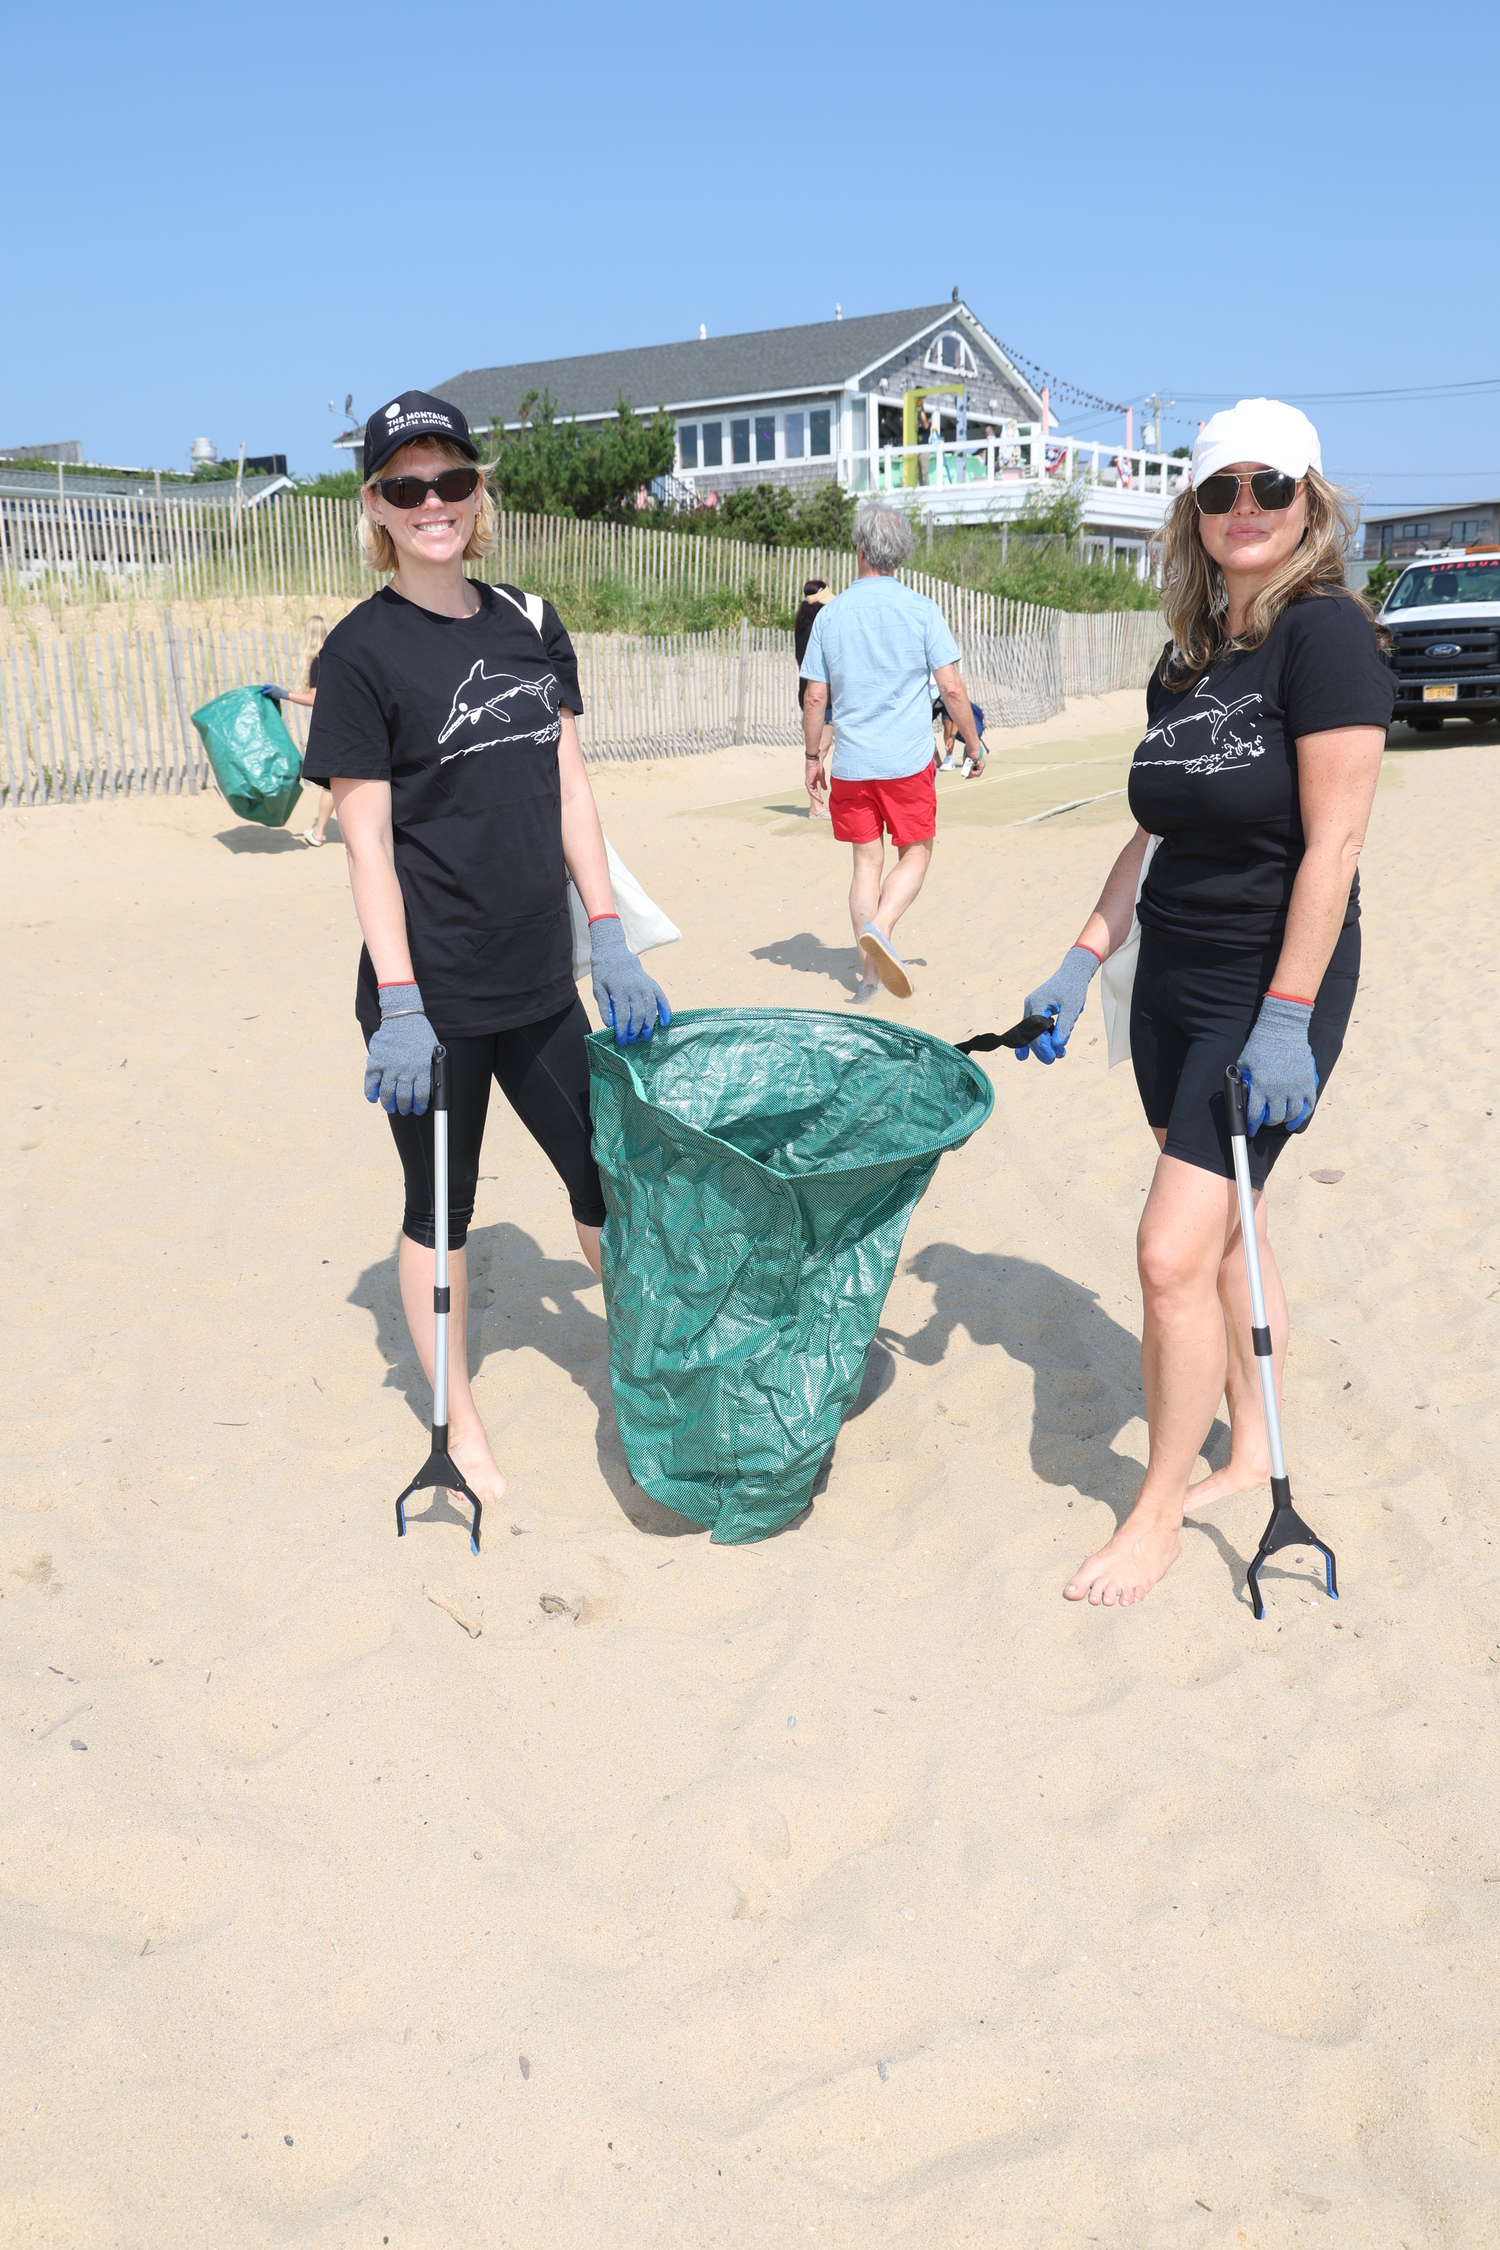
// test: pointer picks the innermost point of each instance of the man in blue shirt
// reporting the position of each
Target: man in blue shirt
(875, 650)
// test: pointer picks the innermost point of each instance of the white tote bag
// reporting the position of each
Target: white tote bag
(1117, 977)
(641, 918)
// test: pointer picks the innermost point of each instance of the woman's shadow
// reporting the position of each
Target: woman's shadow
(520, 1296)
(1086, 1379)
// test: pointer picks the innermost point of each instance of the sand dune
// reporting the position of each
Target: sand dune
(852, 1887)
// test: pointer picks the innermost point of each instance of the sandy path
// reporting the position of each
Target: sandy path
(852, 1887)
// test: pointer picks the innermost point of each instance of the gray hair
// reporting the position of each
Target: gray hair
(883, 535)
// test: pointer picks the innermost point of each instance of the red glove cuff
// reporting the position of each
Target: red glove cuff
(1295, 996)
(593, 918)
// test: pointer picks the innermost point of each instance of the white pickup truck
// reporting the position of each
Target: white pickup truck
(1443, 614)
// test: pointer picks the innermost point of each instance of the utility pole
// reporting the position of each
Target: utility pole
(1151, 436)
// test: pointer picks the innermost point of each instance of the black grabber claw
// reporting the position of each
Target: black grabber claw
(1286, 1528)
(439, 1472)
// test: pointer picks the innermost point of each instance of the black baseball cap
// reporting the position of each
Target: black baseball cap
(415, 414)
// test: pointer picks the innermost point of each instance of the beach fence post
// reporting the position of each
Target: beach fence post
(1286, 1528)
(744, 681)
(438, 1472)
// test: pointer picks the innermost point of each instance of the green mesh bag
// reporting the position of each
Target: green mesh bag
(759, 1169)
(254, 759)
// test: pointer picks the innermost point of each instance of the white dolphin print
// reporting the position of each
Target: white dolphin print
(1231, 752)
(1217, 714)
(485, 695)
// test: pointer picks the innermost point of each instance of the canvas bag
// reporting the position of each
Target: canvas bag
(641, 919)
(1117, 976)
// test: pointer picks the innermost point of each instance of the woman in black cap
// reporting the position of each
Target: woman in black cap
(446, 728)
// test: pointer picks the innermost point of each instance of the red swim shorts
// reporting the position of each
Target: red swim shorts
(862, 810)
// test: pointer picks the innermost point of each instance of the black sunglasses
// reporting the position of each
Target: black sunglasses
(410, 492)
(1272, 489)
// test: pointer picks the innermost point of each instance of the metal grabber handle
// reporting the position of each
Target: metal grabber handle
(440, 1294)
(1286, 1528)
(439, 1472)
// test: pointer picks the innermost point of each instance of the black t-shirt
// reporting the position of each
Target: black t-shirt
(1216, 776)
(312, 673)
(460, 715)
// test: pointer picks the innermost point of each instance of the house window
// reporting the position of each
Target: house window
(687, 438)
(1463, 532)
(858, 425)
(713, 445)
(950, 352)
(792, 426)
(818, 422)
(739, 441)
(765, 437)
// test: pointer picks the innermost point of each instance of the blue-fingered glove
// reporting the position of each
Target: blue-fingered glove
(275, 694)
(398, 1069)
(1063, 996)
(628, 1000)
(1278, 1068)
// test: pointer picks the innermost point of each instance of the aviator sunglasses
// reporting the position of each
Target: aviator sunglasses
(452, 485)
(1271, 489)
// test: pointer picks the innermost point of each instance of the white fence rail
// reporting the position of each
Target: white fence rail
(107, 714)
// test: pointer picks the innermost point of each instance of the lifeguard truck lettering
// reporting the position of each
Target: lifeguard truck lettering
(1443, 614)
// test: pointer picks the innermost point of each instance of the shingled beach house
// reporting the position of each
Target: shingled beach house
(839, 398)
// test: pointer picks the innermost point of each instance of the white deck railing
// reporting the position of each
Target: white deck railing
(1022, 458)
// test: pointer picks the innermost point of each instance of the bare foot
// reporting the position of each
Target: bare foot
(1236, 1476)
(1141, 1551)
(471, 1453)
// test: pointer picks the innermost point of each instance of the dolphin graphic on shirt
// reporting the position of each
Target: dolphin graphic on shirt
(1231, 751)
(499, 698)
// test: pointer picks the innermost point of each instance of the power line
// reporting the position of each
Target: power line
(1468, 389)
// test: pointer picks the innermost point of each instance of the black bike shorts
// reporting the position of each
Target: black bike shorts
(1191, 1011)
(542, 1069)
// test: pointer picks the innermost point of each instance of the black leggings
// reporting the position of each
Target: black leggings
(542, 1069)
(1191, 1010)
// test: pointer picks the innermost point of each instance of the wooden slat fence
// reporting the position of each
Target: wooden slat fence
(106, 714)
(112, 546)
(1111, 649)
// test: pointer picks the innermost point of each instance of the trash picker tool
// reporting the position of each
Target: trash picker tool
(1286, 1528)
(439, 1472)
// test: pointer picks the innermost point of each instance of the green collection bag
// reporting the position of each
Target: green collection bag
(255, 760)
(759, 1169)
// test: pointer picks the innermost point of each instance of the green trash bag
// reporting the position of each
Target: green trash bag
(255, 760)
(759, 1169)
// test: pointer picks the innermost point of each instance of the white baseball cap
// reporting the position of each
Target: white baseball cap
(1258, 429)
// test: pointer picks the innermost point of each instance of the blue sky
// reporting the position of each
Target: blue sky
(232, 216)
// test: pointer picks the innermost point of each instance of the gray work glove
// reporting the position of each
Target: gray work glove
(627, 999)
(1277, 1065)
(1066, 993)
(398, 1070)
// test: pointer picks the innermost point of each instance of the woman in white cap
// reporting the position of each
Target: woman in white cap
(1268, 714)
(446, 727)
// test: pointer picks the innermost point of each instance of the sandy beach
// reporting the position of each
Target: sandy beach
(611, 1888)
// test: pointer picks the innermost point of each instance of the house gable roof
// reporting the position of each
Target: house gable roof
(821, 356)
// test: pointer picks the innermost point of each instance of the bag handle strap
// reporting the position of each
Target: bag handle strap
(529, 605)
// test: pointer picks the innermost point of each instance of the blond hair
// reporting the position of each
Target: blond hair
(375, 543)
(1195, 599)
